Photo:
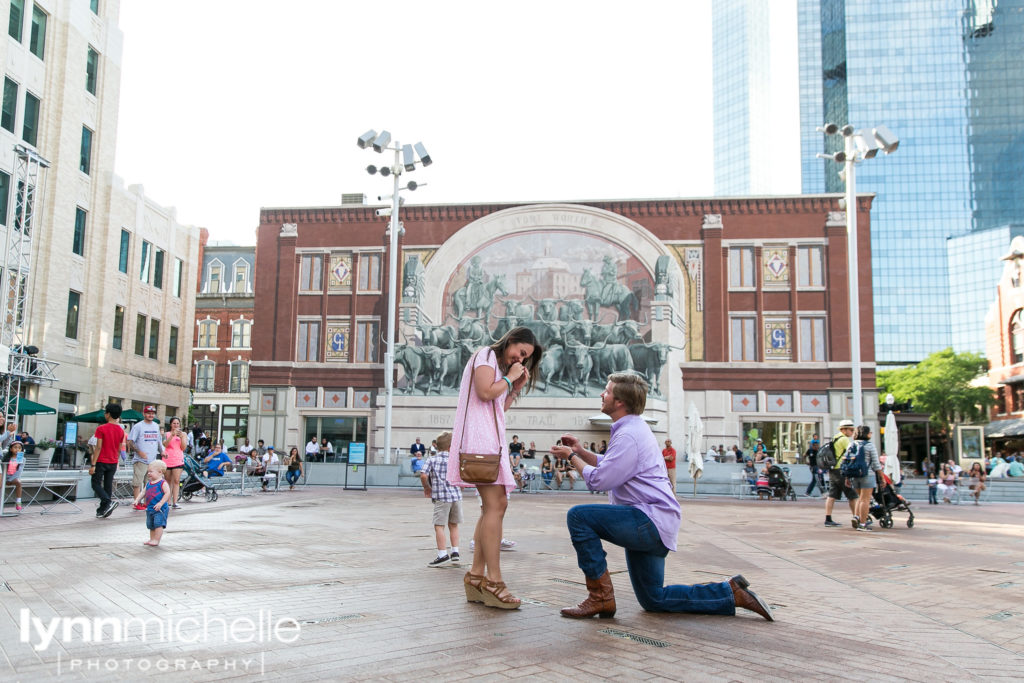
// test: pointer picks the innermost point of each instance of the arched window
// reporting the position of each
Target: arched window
(239, 383)
(1017, 337)
(241, 334)
(204, 375)
(207, 334)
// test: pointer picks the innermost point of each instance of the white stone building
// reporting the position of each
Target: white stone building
(113, 274)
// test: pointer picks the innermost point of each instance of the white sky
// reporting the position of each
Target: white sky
(230, 105)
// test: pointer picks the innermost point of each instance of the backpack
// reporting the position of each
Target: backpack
(826, 458)
(855, 464)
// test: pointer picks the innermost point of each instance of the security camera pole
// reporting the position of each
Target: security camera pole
(858, 145)
(379, 143)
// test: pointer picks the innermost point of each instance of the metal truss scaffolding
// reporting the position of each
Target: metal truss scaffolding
(18, 359)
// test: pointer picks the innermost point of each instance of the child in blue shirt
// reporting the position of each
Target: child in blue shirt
(157, 494)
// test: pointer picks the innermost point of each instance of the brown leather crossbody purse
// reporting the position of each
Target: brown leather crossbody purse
(480, 468)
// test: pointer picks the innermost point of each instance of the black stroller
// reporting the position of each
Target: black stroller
(779, 485)
(195, 484)
(887, 501)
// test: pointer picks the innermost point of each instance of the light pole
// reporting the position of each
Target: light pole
(857, 146)
(407, 162)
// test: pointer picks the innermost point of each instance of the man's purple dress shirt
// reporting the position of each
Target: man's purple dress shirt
(633, 473)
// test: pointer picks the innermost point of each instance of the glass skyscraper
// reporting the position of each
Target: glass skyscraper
(741, 96)
(947, 76)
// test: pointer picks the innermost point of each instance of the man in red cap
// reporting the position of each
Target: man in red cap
(146, 442)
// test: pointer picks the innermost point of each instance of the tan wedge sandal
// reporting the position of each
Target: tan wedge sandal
(474, 587)
(496, 594)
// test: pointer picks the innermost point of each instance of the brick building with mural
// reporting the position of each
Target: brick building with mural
(737, 306)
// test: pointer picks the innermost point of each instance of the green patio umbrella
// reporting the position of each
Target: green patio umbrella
(97, 417)
(27, 407)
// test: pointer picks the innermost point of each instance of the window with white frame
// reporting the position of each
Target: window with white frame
(812, 339)
(810, 267)
(741, 267)
(204, 375)
(743, 338)
(308, 346)
(241, 334)
(369, 272)
(367, 334)
(239, 381)
(311, 274)
(207, 334)
(214, 277)
(241, 280)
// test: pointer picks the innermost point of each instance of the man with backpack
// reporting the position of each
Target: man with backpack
(829, 458)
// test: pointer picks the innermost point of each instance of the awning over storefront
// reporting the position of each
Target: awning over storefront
(1001, 429)
(1016, 379)
(27, 407)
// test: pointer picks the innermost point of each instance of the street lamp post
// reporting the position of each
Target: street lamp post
(857, 146)
(405, 160)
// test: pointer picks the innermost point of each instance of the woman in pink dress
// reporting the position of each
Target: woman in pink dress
(174, 457)
(491, 382)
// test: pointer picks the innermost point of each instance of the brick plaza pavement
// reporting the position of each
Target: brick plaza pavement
(943, 601)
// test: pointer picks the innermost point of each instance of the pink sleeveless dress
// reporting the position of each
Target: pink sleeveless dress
(478, 418)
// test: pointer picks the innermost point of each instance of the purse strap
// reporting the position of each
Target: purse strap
(494, 411)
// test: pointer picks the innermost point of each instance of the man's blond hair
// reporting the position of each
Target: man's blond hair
(631, 389)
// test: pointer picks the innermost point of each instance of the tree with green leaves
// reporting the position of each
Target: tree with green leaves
(943, 384)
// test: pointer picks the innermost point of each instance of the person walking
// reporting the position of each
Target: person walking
(146, 441)
(837, 485)
(812, 464)
(493, 379)
(669, 454)
(642, 516)
(866, 484)
(105, 455)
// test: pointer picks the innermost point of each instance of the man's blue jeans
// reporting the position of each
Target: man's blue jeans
(645, 559)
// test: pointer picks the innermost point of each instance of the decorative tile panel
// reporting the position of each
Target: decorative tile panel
(778, 403)
(305, 398)
(341, 272)
(337, 341)
(814, 403)
(744, 403)
(335, 398)
(362, 399)
(776, 265)
(778, 339)
(268, 403)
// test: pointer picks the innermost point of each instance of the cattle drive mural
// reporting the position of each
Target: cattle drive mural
(582, 296)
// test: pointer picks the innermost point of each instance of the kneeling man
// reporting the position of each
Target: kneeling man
(643, 517)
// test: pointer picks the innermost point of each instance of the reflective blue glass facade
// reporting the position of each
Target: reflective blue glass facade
(952, 93)
(974, 272)
(740, 69)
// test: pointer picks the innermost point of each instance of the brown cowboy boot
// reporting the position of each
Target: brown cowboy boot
(601, 600)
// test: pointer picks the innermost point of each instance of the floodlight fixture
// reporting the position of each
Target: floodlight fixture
(421, 151)
(886, 139)
(380, 143)
(847, 131)
(366, 138)
(405, 161)
(828, 129)
(867, 147)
